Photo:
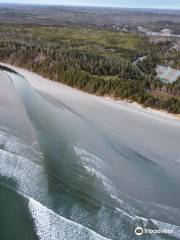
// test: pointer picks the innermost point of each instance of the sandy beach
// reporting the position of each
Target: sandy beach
(157, 131)
(56, 89)
(13, 113)
(105, 152)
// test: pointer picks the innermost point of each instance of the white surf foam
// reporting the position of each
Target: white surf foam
(30, 177)
(93, 166)
(89, 157)
(90, 162)
(50, 226)
(32, 182)
(174, 230)
(14, 145)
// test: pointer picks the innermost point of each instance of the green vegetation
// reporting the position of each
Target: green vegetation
(93, 60)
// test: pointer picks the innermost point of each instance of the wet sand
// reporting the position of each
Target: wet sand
(104, 151)
(12, 112)
(155, 131)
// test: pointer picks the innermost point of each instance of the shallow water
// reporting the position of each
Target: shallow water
(76, 172)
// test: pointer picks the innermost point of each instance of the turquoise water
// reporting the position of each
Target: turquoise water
(77, 177)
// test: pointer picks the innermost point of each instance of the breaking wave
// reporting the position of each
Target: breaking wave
(51, 226)
(70, 195)
(115, 219)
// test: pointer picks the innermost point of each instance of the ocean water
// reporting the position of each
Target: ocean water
(63, 177)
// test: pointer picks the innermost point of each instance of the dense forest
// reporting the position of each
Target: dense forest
(98, 61)
(152, 19)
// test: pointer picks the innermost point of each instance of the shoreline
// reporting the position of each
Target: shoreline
(123, 145)
(147, 110)
(32, 78)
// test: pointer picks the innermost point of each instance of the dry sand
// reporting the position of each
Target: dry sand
(59, 90)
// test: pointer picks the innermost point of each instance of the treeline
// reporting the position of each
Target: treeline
(96, 61)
